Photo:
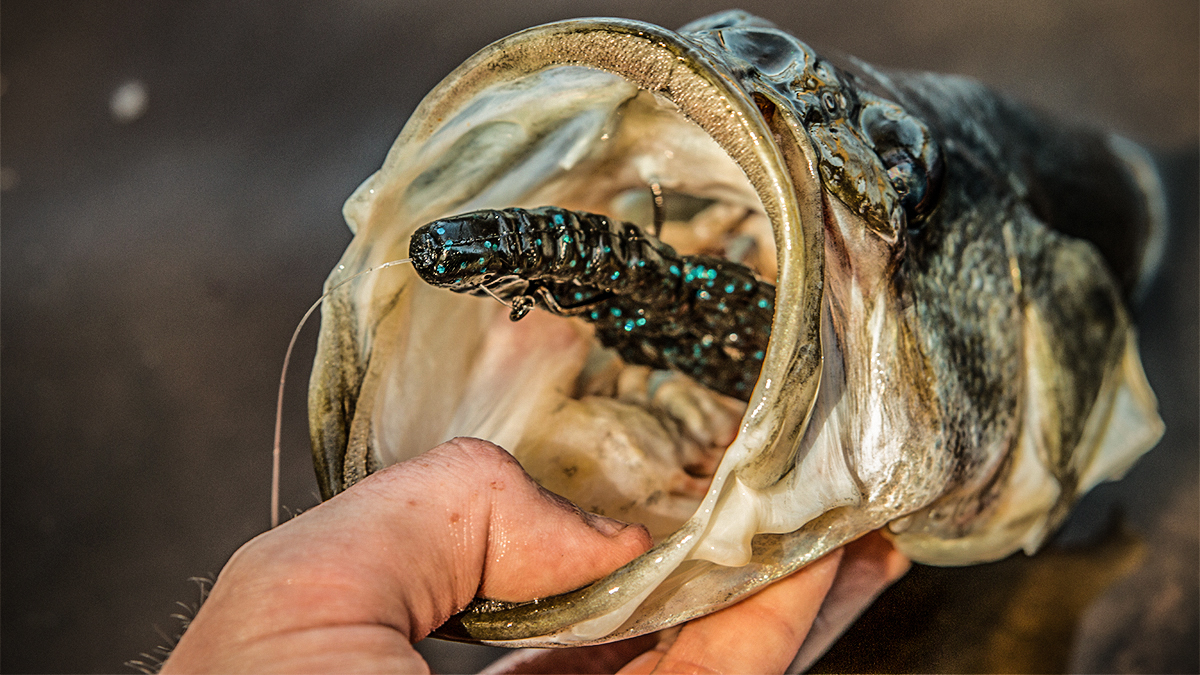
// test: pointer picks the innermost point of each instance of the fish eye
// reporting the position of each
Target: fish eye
(829, 101)
(909, 155)
(908, 178)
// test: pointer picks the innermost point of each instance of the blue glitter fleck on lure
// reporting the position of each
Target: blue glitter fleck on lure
(701, 315)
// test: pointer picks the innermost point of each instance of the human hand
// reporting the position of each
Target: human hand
(760, 634)
(351, 584)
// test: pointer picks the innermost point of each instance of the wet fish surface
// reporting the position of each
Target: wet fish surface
(950, 352)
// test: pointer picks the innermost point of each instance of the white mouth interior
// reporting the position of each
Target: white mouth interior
(619, 440)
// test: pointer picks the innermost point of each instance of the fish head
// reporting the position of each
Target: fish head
(767, 155)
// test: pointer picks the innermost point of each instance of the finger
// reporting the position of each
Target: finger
(407, 547)
(760, 634)
(528, 542)
(462, 519)
(870, 565)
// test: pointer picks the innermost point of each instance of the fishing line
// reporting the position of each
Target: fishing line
(287, 357)
(656, 198)
(497, 297)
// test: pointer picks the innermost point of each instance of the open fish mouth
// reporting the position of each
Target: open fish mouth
(667, 131)
(647, 110)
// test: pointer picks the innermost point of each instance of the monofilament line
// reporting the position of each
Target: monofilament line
(287, 357)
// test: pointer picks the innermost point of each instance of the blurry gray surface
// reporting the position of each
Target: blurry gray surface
(172, 182)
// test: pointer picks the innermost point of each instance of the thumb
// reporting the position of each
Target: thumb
(488, 529)
(409, 546)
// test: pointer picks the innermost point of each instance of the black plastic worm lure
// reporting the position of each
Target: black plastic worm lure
(701, 315)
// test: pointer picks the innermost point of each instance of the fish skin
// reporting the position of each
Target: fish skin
(969, 307)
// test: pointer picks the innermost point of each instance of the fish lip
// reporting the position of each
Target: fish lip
(776, 156)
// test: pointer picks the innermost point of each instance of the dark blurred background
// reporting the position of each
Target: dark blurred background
(172, 178)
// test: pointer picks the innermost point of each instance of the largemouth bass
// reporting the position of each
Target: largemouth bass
(950, 352)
